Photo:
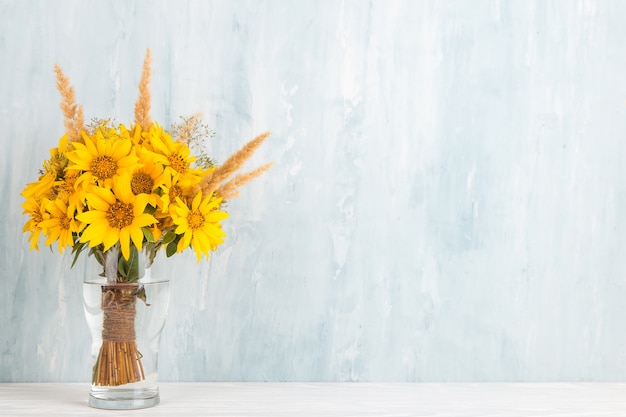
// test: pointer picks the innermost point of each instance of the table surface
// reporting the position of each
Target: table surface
(333, 399)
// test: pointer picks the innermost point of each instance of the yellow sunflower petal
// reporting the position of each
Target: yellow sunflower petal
(122, 189)
(185, 241)
(110, 238)
(141, 201)
(90, 146)
(125, 242)
(103, 146)
(196, 201)
(198, 253)
(137, 236)
(201, 241)
(100, 198)
(183, 225)
(93, 234)
(144, 220)
(121, 149)
(91, 216)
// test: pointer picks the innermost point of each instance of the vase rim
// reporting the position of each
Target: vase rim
(104, 281)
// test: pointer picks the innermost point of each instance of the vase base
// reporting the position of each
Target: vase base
(124, 399)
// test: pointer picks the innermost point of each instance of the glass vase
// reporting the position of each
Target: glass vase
(125, 320)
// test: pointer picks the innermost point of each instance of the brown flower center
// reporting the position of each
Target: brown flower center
(141, 183)
(177, 162)
(174, 192)
(64, 222)
(36, 217)
(66, 188)
(68, 185)
(120, 215)
(195, 219)
(103, 167)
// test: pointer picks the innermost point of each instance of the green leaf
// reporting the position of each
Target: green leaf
(149, 209)
(76, 250)
(122, 267)
(97, 253)
(78, 246)
(171, 249)
(169, 237)
(132, 269)
(147, 234)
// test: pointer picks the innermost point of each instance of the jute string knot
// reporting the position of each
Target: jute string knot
(118, 307)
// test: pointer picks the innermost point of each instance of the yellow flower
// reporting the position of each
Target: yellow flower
(37, 214)
(182, 186)
(148, 176)
(42, 188)
(137, 138)
(35, 193)
(103, 157)
(199, 224)
(57, 162)
(60, 225)
(175, 156)
(63, 142)
(114, 216)
(65, 190)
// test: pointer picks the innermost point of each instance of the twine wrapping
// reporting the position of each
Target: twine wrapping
(118, 307)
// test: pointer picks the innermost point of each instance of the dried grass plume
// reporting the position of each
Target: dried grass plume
(213, 181)
(230, 189)
(142, 106)
(72, 112)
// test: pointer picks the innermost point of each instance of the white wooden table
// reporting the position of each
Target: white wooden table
(333, 399)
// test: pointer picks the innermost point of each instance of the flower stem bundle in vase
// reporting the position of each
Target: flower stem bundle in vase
(122, 195)
(126, 314)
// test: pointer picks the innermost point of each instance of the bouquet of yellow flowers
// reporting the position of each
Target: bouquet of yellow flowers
(120, 190)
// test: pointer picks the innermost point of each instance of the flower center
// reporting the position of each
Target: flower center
(120, 215)
(177, 162)
(141, 183)
(174, 192)
(66, 188)
(70, 180)
(64, 222)
(195, 219)
(103, 167)
(36, 217)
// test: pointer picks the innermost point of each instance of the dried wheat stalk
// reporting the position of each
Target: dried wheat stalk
(230, 189)
(72, 112)
(212, 182)
(142, 105)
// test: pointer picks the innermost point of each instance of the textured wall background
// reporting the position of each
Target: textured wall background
(447, 202)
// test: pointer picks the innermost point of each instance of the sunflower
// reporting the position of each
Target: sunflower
(182, 186)
(199, 224)
(105, 155)
(58, 161)
(42, 188)
(175, 156)
(114, 216)
(65, 190)
(136, 137)
(37, 214)
(148, 177)
(60, 225)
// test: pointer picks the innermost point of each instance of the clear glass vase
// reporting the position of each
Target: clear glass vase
(126, 320)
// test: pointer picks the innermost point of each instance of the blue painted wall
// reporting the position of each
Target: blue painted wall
(447, 202)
